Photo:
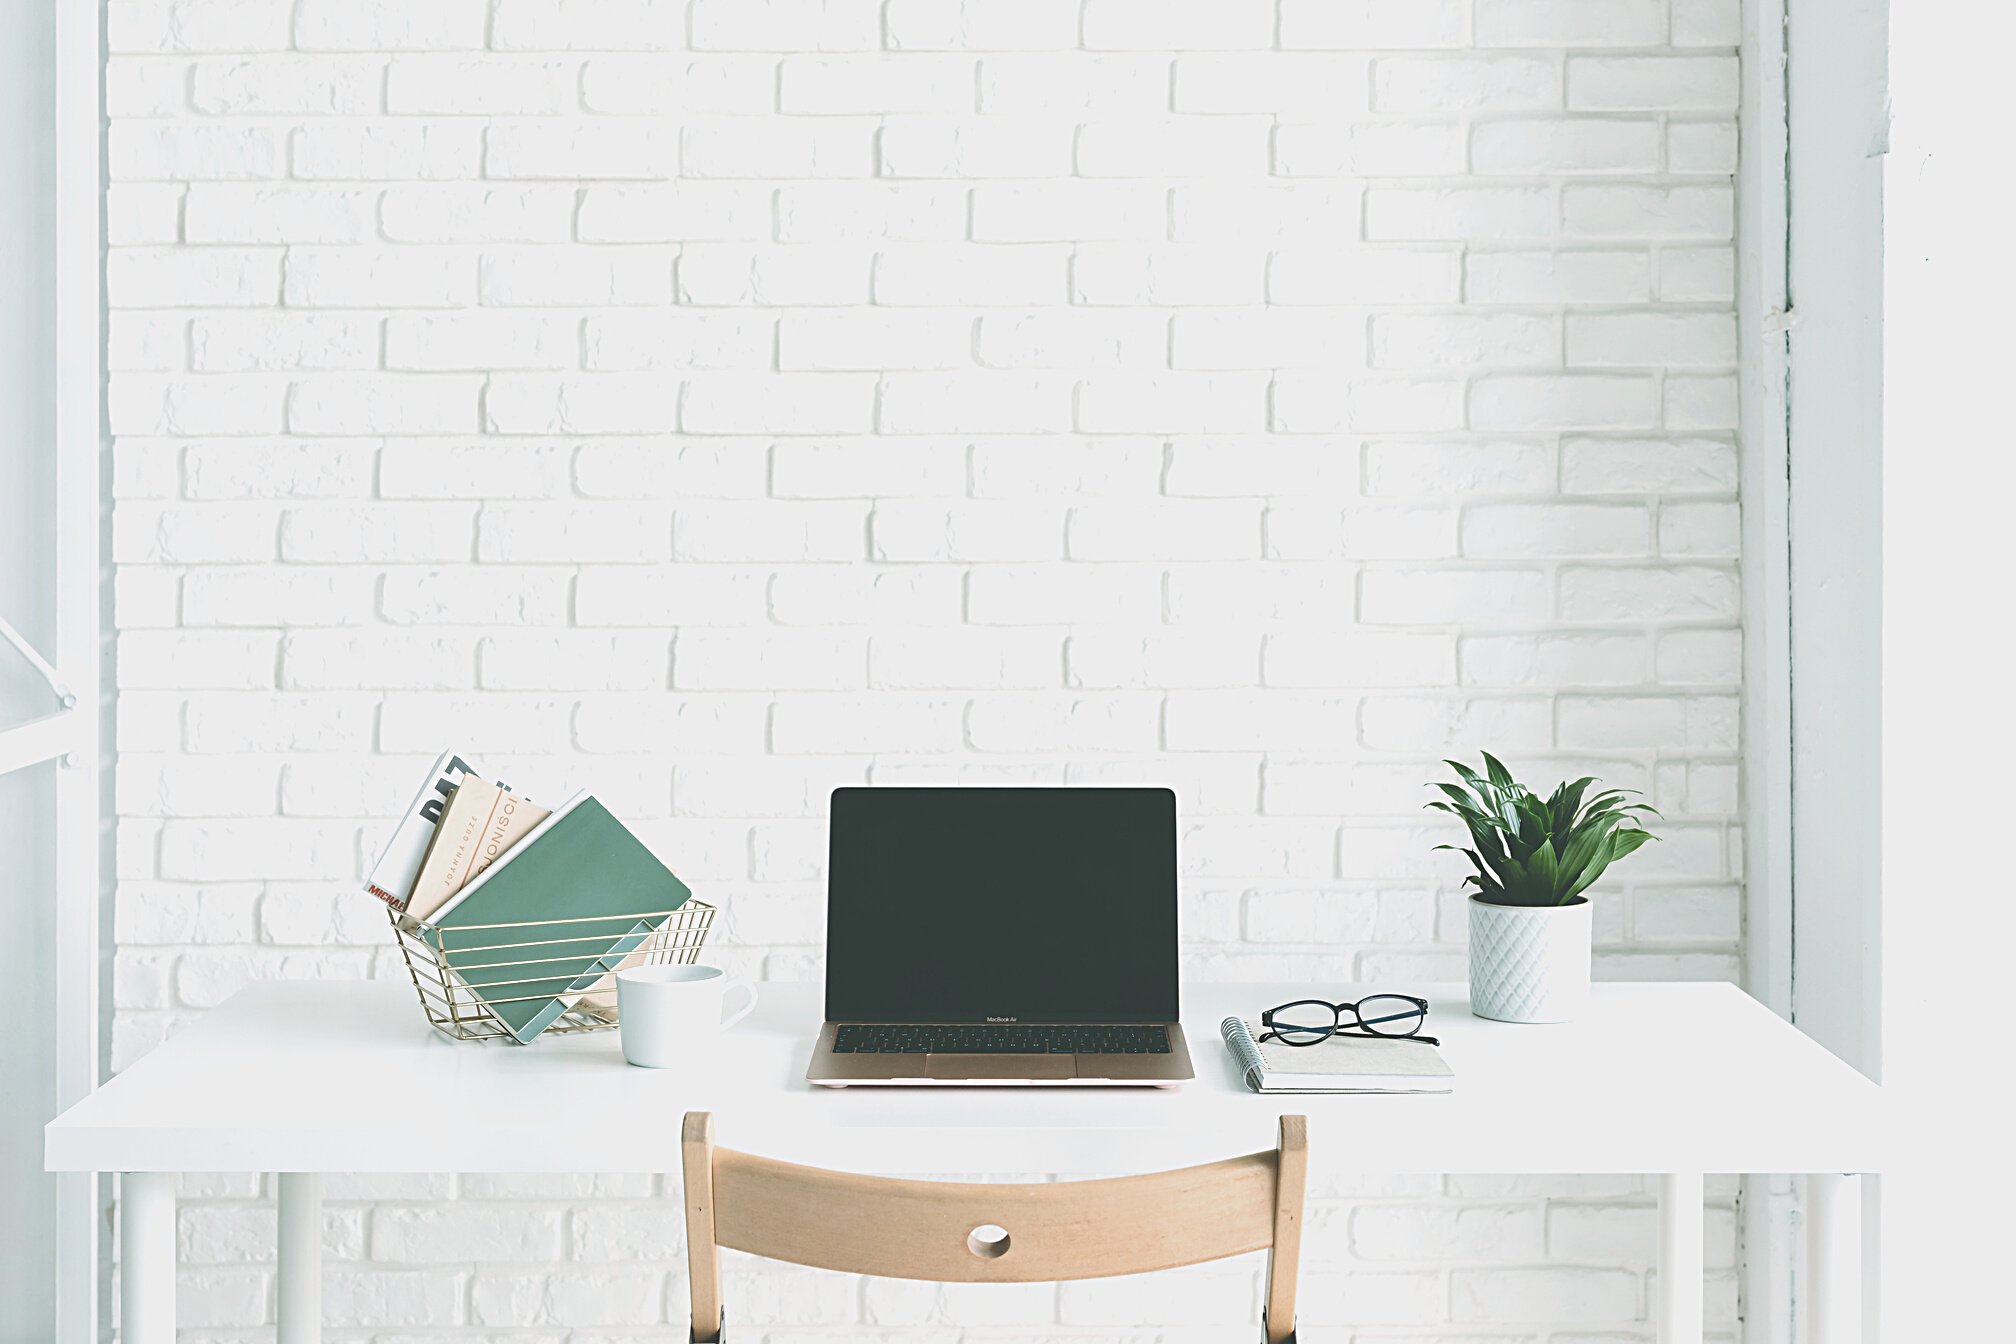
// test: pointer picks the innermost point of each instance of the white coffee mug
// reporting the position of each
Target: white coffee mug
(670, 1016)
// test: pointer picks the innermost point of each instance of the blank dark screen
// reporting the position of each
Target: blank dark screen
(964, 904)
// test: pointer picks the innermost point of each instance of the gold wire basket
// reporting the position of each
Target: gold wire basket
(536, 957)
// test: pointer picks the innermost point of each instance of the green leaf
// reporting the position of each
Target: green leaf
(1501, 778)
(1624, 842)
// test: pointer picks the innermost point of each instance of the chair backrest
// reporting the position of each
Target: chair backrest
(971, 1233)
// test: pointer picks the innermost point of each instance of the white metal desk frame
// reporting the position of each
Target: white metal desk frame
(179, 1117)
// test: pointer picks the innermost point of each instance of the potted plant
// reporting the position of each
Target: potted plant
(1529, 921)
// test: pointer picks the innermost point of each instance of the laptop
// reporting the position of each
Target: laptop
(990, 936)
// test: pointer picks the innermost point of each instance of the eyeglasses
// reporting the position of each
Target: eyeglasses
(1313, 1021)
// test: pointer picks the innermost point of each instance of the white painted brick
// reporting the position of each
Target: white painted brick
(828, 85)
(589, 403)
(1524, 531)
(978, 659)
(259, 595)
(1697, 274)
(1218, 403)
(1073, 338)
(195, 25)
(1378, 275)
(1445, 724)
(786, 660)
(1419, 213)
(160, 151)
(146, 341)
(1270, 82)
(404, 277)
(1067, 212)
(1171, 530)
(641, 85)
(1703, 529)
(1671, 339)
(191, 659)
(948, 146)
(687, 211)
(1024, 84)
(1580, 1296)
(1357, 657)
(660, 339)
(342, 660)
(771, 531)
(492, 595)
(1707, 23)
(273, 341)
(1304, 211)
(143, 212)
(1116, 660)
(1556, 277)
(375, 25)
(517, 533)
(592, 25)
(858, 595)
(1217, 597)
(1371, 149)
(459, 85)
(1593, 659)
(155, 404)
(786, 25)
(574, 1298)
(1700, 402)
(1469, 83)
(339, 533)
(434, 212)
(1647, 83)
(1701, 147)
(1562, 401)
(1307, 403)
(660, 468)
(1262, 338)
(1215, 146)
(1436, 597)
(879, 721)
(306, 85)
(1647, 466)
(1571, 23)
(962, 275)
(1701, 657)
(1063, 594)
(1011, 467)
(604, 147)
(977, 25)
(464, 1231)
(1577, 145)
(1177, 25)
(1645, 594)
(146, 86)
(1246, 720)
(871, 340)
(479, 341)
(922, 530)
(763, 147)
(574, 276)
(1049, 721)
(793, 403)
(800, 275)
(816, 212)
(1462, 340)
(1130, 274)
(181, 278)
(363, 403)
(1374, 25)
(394, 148)
(967, 402)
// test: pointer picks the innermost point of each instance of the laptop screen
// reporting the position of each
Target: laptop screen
(991, 904)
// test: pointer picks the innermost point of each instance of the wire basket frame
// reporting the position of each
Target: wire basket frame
(538, 958)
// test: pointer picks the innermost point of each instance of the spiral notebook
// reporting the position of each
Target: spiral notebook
(1344, 1063)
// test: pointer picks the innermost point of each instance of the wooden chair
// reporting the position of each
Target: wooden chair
(964, 1233)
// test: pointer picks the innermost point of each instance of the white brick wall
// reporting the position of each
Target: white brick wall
(717, 400)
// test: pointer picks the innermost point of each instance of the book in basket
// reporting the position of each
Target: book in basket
(581, 892)
(1343, 1063)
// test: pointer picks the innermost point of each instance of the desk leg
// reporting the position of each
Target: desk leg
(1833, 1297)
(147, 1257)
(1677, 1314)
(300, 1258)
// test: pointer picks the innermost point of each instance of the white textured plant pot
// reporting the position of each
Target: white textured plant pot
(1529, 963)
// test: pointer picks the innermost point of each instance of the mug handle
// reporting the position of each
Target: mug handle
(745, 1009)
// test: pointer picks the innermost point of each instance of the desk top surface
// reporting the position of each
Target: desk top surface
(348, 1077)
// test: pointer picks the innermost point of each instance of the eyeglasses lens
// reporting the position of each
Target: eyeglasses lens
(1304, 1023)
(1391, 1015)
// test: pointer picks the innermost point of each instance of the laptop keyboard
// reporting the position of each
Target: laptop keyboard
(999, 1039)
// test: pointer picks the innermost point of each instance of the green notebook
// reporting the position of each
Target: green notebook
(581, 866)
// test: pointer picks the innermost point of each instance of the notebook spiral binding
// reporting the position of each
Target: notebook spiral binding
(432, 954)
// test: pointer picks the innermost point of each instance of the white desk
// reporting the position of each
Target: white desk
(301, 1079)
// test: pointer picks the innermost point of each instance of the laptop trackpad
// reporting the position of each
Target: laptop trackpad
(1004, 1067)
